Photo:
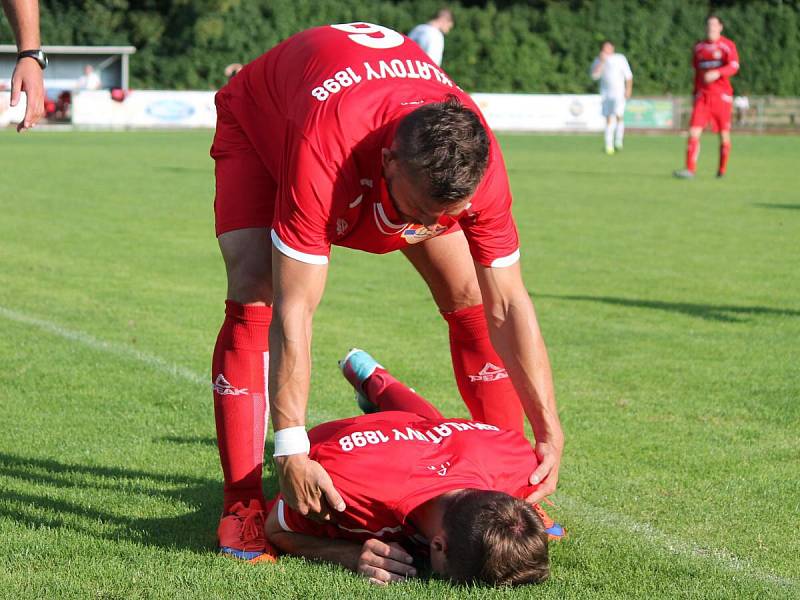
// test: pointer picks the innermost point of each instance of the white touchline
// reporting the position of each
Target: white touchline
(155, 362)
(680, 547)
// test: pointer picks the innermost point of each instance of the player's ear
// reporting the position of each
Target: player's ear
(389, 161)
(439, 543)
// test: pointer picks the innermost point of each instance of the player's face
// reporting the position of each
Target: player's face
(410, 201)
(713, 29)
(608, 49)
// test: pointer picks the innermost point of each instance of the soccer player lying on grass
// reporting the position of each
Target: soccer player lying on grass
(416, 483)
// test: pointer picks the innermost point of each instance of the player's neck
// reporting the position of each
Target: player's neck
(428, 516)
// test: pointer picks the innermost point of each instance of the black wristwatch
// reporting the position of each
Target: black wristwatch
(38, 55)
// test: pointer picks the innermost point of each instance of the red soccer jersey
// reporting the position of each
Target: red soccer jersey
(333, 97)
(387, 464)
(720, 55)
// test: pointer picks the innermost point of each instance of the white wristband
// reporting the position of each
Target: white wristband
(292, 440)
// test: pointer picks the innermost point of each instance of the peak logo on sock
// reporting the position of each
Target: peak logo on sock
(489, 372)
(223, 387)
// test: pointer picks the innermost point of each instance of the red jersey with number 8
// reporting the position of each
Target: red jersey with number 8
(318, 108)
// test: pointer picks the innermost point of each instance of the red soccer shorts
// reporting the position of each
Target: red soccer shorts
(246, 191)
(716, 108)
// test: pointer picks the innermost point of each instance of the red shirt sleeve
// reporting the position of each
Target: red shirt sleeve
(292, 521)
(490, 229)
(731, 66)
(305, 199)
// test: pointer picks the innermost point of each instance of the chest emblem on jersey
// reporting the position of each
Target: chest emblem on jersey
(441, 470)
(717, 54)
(418, 233)
(489, 372)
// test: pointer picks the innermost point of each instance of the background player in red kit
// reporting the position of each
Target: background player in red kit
(350, 135)
(715, 61)
(449, 488)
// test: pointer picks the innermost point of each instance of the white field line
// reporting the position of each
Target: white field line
(591, 513)
(155, 362)
(680, 547)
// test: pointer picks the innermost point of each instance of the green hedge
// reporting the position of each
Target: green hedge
(534, 46)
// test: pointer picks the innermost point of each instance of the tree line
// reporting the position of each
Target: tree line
(541, 46)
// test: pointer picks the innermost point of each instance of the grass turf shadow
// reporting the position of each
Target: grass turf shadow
(46, 493)
(777, 205)
(725, 313)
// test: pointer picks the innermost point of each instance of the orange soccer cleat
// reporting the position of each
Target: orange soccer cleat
(555, 531)
(241, 533)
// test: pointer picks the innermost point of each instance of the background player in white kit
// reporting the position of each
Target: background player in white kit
(430, 36)
(616, 86)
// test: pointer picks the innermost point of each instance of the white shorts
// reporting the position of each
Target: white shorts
(613, 106)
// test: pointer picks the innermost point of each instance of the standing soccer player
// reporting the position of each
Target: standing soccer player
(349, 135)
(715, 61)
(616, 86)
(430, 36)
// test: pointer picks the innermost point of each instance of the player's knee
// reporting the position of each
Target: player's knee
(494, 538)
(695, 132)
(248, 263)
(467, 294)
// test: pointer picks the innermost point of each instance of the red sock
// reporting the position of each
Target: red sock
(387, 393)
(724, 152)
(480, 374)
(692, 152)
(238, 372)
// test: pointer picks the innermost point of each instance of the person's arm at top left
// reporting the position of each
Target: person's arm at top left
(23, 15)
(380, 562)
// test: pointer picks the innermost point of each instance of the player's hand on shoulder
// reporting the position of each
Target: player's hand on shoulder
(384, 563)
(307, 487)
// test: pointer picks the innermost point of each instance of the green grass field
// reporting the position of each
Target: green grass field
(671, 311)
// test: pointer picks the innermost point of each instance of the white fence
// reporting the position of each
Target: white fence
(504, 112)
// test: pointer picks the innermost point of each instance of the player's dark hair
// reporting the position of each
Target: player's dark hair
(444, 12)
(494, 538)
(445, 146)
(715, 16)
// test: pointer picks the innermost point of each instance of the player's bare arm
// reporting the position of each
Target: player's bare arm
(628, 88)
(298, 289)
(23, 16)
(516, 337)
(380, 562)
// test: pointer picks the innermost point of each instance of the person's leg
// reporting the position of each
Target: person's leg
(388, 393)
(241, 362)
(243, 206)
(619, 132)
(724, 151)
(446, 266)
(609, 133)
(693, 149)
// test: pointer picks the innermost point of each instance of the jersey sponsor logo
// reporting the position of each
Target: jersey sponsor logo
(223, 387)
(489, 372)
(709, 64)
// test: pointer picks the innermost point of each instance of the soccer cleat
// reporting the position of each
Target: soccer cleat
(720, 174)
(241, 533)
(555, 531)
(618, 147)
(358, 366)
(609, 150)
(683, 174)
